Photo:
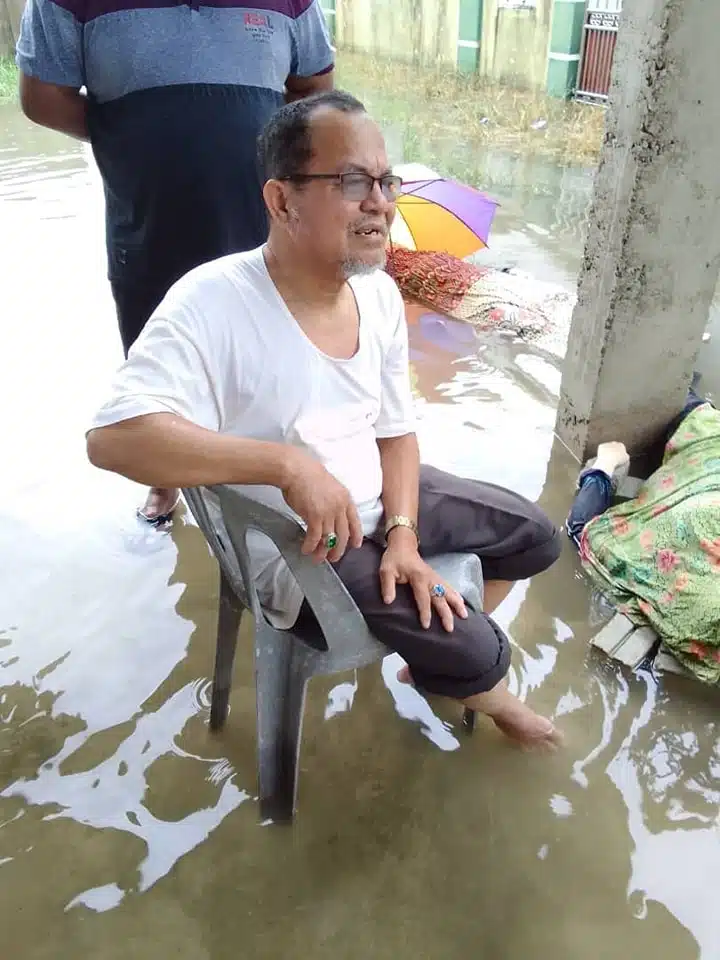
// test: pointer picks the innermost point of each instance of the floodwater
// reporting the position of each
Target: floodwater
(127, 831)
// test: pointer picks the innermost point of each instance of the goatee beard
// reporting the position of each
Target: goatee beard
(360, 268)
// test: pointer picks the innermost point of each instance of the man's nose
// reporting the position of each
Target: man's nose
(376, 199)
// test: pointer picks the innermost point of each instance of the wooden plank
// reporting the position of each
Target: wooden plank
(623, 641)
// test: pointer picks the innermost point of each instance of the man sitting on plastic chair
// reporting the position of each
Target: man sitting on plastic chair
(285, 370)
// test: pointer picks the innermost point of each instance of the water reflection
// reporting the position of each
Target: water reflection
(650, 762)
(123, 822)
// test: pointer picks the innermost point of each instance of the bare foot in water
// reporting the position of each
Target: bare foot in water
(159, 505)
(516, 720)
(404, 675)
(510, 715)
(529, 729)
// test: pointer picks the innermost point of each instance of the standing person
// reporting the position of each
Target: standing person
(174, 99)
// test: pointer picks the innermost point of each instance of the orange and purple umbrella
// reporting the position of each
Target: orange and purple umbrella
(443, 216)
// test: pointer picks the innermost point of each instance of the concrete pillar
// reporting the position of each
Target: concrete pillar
(652, 255)
(568, 17)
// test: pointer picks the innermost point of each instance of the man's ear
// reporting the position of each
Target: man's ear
(276, 201)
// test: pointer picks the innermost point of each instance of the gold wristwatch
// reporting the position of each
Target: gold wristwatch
(400, 521)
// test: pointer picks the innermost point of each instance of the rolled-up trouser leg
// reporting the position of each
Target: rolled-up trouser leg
(472, 659)
(514, 540)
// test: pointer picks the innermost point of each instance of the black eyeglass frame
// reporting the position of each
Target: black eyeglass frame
(390, 184)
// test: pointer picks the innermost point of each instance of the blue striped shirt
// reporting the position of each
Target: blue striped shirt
(177, 95)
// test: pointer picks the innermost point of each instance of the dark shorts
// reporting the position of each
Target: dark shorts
(514, 540)
(135, 304)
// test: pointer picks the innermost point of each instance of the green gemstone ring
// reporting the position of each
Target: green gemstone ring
(331, 541)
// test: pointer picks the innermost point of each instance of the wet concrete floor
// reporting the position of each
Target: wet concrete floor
(127, 831)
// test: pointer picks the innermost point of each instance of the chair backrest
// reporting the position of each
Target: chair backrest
(206, 510)
(226, 515)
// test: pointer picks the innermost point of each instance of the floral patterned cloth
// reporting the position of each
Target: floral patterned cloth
(657, 558)
(486, 298)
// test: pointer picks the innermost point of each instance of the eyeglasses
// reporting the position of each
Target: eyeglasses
(356, 186)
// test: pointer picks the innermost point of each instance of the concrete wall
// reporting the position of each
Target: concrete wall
(514, 43)
(513, 40)
(566, 40)
(10, 13)
(652, 256)
(423, 31)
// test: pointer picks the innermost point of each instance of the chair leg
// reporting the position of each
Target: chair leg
(280, 685)
(230, 611)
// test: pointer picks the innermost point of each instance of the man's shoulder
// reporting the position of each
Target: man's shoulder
(211, 304)
(240, 265)
(234, 273)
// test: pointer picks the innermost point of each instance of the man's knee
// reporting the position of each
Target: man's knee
(538, 545)
(477, 657)
(549, 542)
(547, 539)
(488, 647)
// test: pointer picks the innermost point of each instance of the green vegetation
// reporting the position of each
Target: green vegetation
(8, 79)
(441, 112)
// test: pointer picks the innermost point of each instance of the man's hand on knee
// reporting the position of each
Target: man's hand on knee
(402, 563)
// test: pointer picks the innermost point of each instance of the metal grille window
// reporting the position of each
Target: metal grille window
(602, 21)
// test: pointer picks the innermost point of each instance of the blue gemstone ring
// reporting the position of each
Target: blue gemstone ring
(438, 591)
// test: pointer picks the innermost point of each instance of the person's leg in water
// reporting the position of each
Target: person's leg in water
(509, 714)
(135, 304)
(598, 482)
(514, 541)
(596, 487)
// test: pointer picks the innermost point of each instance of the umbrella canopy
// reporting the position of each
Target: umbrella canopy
(443, 216)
